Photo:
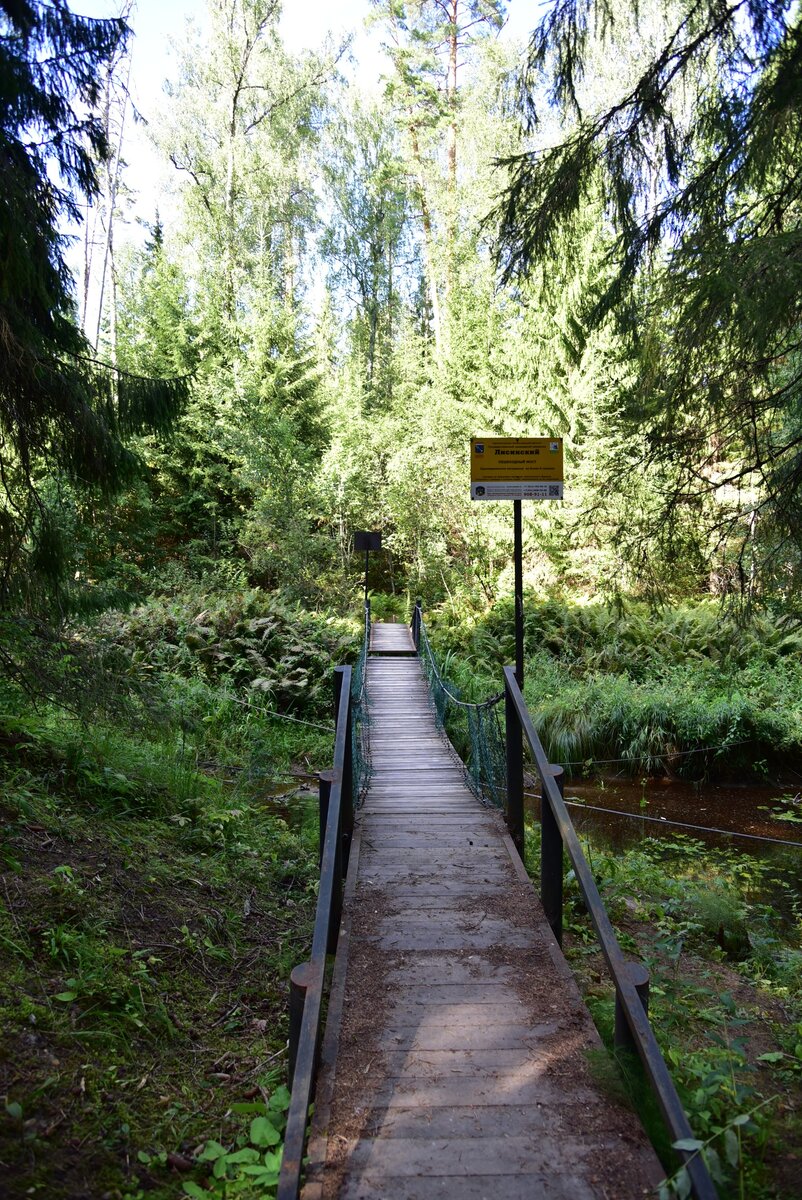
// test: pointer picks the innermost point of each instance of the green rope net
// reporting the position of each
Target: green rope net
(360, 740)
(474, 730)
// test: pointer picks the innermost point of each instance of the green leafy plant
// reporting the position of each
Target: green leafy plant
(254, 1161)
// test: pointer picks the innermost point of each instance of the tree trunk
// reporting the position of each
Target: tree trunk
(428, 242)
(451, 93)
(451, 149)
(112, 185)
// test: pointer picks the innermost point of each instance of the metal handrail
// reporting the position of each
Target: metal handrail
(361, 742)
(642, 1035)
(331, 872)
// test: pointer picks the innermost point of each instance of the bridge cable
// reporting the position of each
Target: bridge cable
(614, 812)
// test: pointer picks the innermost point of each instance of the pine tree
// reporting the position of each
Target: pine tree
(698, 156)
(63, 415)
(429, 42)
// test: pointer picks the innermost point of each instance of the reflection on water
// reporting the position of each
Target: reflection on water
(651, 804)
(298, 806)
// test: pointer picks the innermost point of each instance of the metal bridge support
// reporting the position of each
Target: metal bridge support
(551, 859)
(515, 772)
(347, 811)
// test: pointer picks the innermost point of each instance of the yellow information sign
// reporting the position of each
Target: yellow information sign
(516, 468)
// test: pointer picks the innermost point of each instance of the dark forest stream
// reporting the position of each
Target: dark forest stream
(750, 818)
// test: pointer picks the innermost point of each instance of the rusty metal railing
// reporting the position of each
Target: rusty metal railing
(557, 832)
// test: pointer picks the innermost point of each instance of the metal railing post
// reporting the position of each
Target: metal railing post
(639, 978)
(300, 979)
(551, 859)
(325, 780)
(416, 620)
(515, 770)
(347, 809)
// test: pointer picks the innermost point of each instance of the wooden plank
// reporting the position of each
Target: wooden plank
(529, 1186)
(469, 1026)
(457, 1157)
(434, 939)
(389, 638)
(481, 1091)
(491, 1035)
(450, 1072)
(449, 968)
(427, 1064)
(458, 1120)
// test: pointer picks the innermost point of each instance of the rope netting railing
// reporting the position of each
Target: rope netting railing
(360, 723)
(474, 730)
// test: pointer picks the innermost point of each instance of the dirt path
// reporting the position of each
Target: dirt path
(460, 1037)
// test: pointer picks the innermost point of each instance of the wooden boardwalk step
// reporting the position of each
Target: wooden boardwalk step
(454, 1065)
(391, 640)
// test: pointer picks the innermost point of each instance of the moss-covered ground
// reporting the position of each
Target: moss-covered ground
(150, 913)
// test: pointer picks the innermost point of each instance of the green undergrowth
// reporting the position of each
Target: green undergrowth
(248, 642)
(157, 885)
(688, 690)
(721, 935)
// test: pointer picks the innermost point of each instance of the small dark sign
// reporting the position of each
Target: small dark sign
(365, 540)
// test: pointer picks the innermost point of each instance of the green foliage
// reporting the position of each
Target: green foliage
(252, 1166)
(250, 640)
(160, 880)
(687, 690)
(367, 236)
(693, 146)
(155, 331)
(719, 932)
(63, 415)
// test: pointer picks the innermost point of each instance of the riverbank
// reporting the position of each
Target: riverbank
(720, 932)
(692, 691)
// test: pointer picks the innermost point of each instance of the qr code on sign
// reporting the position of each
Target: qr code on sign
(554, 490)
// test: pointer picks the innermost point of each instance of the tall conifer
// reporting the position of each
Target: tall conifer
(62, 413)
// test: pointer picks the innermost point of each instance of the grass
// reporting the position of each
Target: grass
(157, 885)
(721, 934)
(686, 691)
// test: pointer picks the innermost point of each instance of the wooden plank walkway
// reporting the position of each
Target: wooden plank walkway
(455, 1058)
(391, 639)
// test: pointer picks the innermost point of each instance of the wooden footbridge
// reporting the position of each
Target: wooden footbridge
(455, 1061)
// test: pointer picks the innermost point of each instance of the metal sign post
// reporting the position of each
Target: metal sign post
(517, 469)
(366, 540)
(518, 562)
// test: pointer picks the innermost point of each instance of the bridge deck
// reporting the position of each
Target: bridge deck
(454, 1062)
(391, 639)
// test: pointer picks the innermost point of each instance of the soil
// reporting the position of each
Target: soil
(180, 958)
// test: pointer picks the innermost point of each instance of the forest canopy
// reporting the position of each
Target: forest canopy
(595, 236)
(65, 416)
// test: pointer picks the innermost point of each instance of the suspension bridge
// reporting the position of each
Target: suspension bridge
(457, 1057)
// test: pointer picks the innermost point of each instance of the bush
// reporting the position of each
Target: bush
(685, 690)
